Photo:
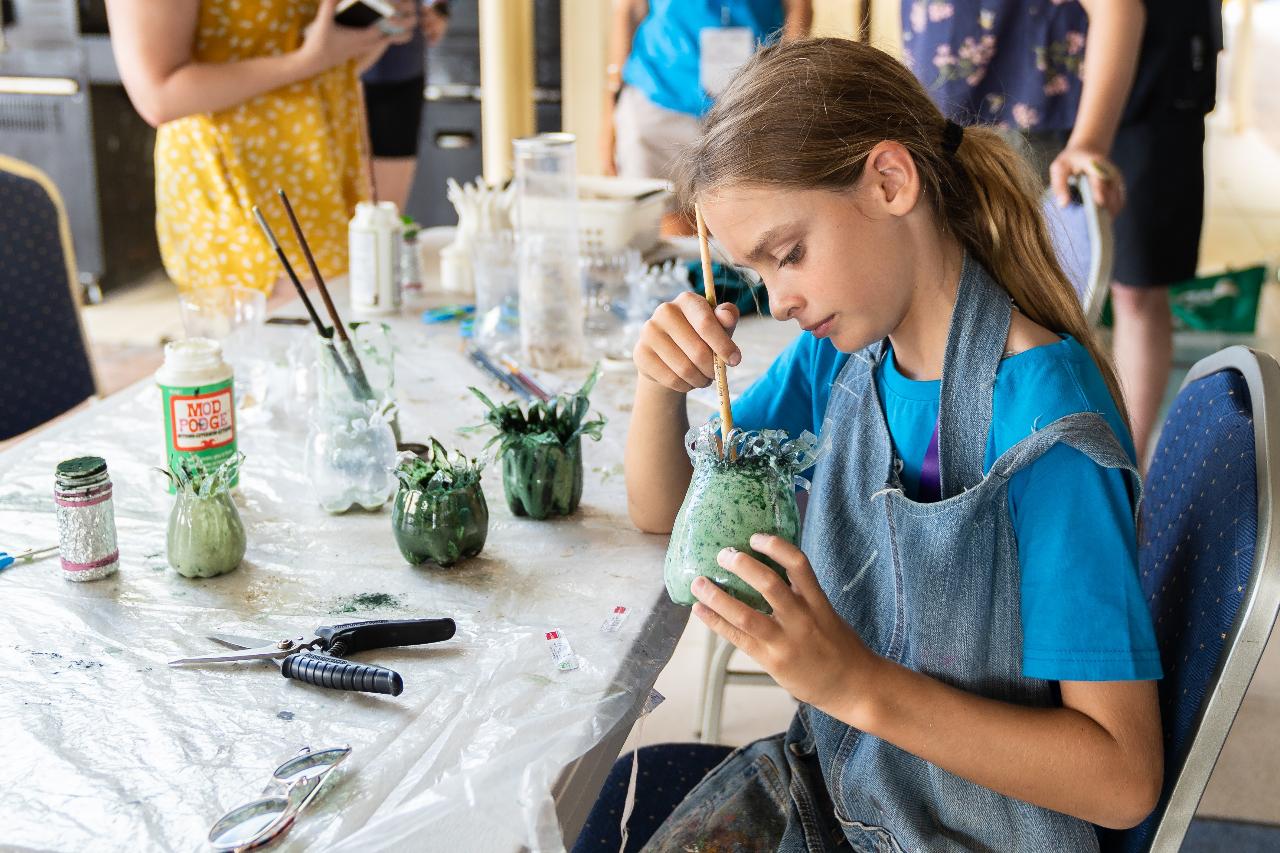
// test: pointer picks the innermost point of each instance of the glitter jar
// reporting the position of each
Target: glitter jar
(86, 519)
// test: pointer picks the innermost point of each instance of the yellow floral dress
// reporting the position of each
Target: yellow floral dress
(212, 168)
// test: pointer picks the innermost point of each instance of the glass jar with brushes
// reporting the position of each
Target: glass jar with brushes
(351, 447)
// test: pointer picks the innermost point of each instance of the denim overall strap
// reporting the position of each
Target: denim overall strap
(1087, 432)
(975, 345)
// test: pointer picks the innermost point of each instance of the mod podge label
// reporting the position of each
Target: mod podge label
(200, 421)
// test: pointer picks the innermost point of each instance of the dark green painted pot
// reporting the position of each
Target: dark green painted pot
(542, 480)
(440, 527)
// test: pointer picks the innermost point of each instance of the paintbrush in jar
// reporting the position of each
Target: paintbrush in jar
(325, 333)
(722, 378)
(339, 328)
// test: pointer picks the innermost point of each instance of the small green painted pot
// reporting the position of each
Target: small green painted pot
(205, 536)
(440, 526)
(543, 480)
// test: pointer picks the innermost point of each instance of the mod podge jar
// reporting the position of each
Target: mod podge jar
(196, 388)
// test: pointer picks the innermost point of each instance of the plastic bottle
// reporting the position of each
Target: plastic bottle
(373, 240)
(412, 292)
(197, 389)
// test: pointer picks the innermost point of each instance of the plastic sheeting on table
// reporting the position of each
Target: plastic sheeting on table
(108, 748)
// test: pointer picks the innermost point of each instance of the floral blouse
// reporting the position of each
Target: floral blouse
(1013, 63)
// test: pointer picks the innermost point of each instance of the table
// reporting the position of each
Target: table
(490, 747)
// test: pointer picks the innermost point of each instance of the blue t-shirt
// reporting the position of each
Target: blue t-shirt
(664, 53)
(1083, 615)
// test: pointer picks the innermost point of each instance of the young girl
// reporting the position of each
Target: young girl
(964, 627)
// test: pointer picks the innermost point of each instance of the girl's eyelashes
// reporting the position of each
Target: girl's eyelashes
(792, 257)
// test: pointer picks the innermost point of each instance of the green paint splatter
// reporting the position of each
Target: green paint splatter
(366, 601)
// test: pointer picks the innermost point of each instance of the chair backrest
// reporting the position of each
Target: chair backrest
(1082, 239)
(44, 360)
(1210, 571)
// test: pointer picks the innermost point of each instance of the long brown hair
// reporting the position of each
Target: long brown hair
(806, 114)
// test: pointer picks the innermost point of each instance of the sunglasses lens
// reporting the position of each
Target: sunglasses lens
(310, 765)
(251, 824)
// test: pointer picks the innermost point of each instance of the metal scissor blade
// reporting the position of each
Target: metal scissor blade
(239, 641)
(259, 650)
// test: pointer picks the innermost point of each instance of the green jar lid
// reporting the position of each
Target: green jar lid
(81, 470)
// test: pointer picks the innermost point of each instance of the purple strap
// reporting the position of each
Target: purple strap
(930, 481)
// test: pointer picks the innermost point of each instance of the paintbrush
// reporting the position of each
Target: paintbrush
(325, 333)
(504, 379)
(526, 380)
(339, 328)
(722, 378)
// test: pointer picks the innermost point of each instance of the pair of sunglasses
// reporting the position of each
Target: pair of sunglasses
(293, 786)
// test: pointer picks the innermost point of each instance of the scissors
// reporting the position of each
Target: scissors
(318, 658)
(7, 560)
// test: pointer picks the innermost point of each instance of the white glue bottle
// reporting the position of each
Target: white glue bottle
(197, 390)
(373, 262)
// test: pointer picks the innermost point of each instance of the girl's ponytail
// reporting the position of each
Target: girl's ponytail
(991, 201)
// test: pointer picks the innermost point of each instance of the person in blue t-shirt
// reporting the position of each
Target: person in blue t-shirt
(962, 621)
(667, 60)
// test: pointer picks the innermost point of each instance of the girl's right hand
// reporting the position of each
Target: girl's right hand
(678, 344)
(326, 44)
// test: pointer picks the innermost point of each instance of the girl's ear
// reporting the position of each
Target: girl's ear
(894, 180)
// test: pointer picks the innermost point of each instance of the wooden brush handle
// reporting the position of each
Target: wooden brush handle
(709, 285)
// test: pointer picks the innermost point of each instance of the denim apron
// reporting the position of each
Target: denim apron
(932, 586)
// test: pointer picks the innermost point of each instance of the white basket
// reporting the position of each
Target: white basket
(620, 213)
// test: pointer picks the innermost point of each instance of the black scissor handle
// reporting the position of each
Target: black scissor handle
(385, 633)
(337, 674)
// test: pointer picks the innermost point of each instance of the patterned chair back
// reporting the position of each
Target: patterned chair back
(1083, 242)
(1208, 571)
(44, 362)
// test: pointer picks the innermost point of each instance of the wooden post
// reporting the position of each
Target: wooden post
(506, 81)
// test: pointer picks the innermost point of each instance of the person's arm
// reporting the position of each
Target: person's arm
(154, 45)
(627, 15)
(1098, 757)
(673, 356)
(798, 19)
(1110, 60)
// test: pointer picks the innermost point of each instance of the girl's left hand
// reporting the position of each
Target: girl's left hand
(1104, 177)
(805, 646)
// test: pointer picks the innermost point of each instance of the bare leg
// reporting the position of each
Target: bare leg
(1143, 345)
(394, 177)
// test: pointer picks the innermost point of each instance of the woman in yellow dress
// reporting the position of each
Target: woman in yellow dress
(249, 96)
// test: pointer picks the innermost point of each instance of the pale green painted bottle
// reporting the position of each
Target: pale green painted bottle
(206, 537)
